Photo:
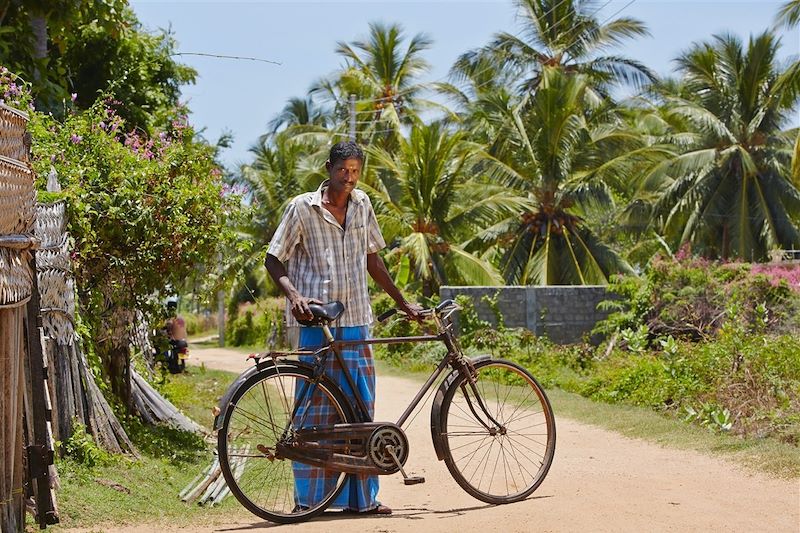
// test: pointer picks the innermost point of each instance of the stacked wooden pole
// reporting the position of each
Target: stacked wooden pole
(74, 395)
(155, 409)
(209, 488)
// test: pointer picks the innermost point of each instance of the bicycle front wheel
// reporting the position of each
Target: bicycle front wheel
(502, 453)
(258, 416)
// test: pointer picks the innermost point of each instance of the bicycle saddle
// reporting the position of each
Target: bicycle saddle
(324, 313)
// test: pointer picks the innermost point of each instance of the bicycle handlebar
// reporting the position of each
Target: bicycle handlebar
(386, 315)
(437, 310)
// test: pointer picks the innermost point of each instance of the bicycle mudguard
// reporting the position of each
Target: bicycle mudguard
(436, 406)
(261, 366)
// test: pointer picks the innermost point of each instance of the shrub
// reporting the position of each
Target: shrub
(260, 327)
(693, 298)
(81, 447)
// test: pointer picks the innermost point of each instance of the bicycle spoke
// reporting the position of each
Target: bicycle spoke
(255, 419)
(507, 462)
(527, 448)
(259, 417)
(519, 464)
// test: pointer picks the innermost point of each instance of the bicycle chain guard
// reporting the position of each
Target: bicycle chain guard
(359, 448)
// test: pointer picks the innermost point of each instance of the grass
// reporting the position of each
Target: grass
(197, 391)
(762, 455)
(121, 490)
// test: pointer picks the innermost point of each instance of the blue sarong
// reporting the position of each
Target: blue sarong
(312, 483)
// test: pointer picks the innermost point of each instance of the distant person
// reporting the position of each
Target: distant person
(326, 243)
(176, 331)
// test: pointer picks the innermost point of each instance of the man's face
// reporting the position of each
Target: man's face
(344, 174)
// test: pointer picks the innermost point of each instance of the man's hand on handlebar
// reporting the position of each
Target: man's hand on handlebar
(414, 311)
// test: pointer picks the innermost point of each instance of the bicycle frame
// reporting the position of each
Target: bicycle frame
(454, 359)
(351, 443)
(336, 347)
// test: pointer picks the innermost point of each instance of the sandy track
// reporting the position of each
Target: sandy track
(599, 481)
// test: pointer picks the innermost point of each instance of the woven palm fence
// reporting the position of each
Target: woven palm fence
(25, 437)
(75, 396)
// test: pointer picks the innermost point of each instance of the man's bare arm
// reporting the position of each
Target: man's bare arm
(299, 303)
(377, 269)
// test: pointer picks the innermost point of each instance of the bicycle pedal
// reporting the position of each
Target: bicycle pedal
(414, 480)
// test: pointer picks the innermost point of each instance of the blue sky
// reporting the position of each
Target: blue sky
(241, 96)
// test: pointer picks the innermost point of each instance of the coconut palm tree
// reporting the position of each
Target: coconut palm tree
(300, 112)
(383, 73)
(789, 14)
(728, 192)
(481, 96)
(564, 34)
(565, 156)
(427, 205)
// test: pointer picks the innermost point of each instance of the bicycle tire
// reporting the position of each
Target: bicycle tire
(262, 485)
(523, 450)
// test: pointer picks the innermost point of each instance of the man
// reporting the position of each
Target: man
(176, 330)
(329, 240)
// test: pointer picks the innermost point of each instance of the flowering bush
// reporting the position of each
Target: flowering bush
(777, 274)
(14, 91)
(144, 212)
(694, 297)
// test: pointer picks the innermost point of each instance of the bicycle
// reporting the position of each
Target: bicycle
(491, 423)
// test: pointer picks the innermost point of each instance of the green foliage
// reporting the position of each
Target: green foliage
(693, 298)
(710, 415)
(743, 380)
(468, 320)
(163, 442)
(262, 328)
(426, 211)
(81, 448)
(197, 323)
(636, 340)
(729, 190)
(143, 212)
(93, 46)
(14, 91)
(144, 490)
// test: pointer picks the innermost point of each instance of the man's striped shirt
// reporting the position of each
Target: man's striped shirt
(325, 260)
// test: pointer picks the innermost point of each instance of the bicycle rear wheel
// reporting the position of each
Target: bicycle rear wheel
(506, 461)
(258, 415)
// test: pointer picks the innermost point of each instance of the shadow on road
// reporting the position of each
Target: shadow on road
(408, 513)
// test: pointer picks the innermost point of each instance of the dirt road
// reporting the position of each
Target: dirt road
(599, 481)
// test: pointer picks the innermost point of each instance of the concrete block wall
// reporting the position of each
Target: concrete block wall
(563, 313)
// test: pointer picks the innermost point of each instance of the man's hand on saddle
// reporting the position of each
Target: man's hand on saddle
(300, 308)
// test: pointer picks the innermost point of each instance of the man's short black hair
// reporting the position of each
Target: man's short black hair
(345, 150)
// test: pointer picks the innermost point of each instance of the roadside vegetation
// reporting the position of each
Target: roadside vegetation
(713, 345)
(520, 168)
(101, 488)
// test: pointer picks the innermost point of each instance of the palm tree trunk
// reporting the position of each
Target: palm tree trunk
(38, 24)
(4, 10)
(115, 353)
(726, 241)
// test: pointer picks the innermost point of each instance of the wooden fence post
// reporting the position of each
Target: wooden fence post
(22, 371)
